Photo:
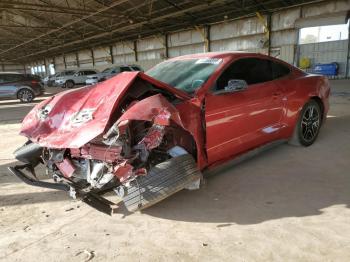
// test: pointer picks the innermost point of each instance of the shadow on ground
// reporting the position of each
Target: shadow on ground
(286, 181)
(283, 182)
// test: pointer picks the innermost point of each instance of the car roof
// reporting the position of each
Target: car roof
(16, 73)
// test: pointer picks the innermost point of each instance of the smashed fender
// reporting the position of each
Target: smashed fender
(73, 118)
(154, 108)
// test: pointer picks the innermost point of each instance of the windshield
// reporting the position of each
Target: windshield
(187, 75)
(107, 70)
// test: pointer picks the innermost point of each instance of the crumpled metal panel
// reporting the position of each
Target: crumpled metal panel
(73, 118)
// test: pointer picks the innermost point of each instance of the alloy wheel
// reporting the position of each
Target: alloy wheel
(25, 95)
(310, 123)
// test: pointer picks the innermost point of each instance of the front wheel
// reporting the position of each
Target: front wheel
(308, 125)
(25, 95)
(69, 84)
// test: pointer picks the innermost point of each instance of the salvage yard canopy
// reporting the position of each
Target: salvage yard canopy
(31, 29)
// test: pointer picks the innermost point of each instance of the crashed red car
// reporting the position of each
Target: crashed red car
(148, 135)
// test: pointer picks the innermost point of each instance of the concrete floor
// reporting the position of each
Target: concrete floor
(287, 204)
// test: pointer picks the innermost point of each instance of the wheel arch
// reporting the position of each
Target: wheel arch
(69, 80)
(24, 87)
(320, 104)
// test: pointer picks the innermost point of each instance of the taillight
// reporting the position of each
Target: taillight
(35, 82)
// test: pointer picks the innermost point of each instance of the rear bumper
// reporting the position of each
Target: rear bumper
(91, 81)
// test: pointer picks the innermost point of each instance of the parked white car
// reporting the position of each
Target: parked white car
(79, 77)
(50, 80)
(110, 72)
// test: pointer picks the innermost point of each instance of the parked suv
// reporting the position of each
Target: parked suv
(21, 86)
(110, 72)
(79, 77)
(50, 80)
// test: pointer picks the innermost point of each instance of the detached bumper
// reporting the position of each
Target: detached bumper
(17, 171)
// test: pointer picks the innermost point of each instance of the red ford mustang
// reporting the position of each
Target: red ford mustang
(147, 136)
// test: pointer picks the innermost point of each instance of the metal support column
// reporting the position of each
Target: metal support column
(92, 57)
(111, 54)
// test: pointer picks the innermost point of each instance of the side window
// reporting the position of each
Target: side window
(252, 70)
(135, 68)
(89, 72)
(125, 69)
(12, 78)
(279, 70)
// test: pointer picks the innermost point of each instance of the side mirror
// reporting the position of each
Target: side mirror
(234, 85)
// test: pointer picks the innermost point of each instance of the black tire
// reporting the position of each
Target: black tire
(25, 95)
(69, 84)
(308, 125)
(162, 181)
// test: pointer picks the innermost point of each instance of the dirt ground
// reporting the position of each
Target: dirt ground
(287, 204)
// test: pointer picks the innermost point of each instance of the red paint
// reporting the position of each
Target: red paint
(222, 126)
(98, 152)
(66, 167)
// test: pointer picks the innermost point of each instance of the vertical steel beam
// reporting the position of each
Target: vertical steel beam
(111, 54)
(166, 47)
(207, 38)
(45, 64)
(92, 57)
(348, 57)
(135, 50)
(77, 59)
(269, 19)
(64, 61)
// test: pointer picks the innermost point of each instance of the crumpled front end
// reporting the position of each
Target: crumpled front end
(91, 143)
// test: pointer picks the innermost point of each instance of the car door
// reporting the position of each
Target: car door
(242, 120)
(8, 84)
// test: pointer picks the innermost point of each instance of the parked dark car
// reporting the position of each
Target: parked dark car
(21, 86)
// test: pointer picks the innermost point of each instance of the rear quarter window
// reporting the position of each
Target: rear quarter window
(279, 70)
(9, 78)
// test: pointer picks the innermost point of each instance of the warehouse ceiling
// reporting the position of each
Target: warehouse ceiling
(34, 29)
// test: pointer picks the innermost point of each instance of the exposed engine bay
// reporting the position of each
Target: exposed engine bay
(144, 131)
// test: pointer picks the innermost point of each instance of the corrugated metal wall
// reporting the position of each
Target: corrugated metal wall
(244, 35)
(13, 68)
(327, 52)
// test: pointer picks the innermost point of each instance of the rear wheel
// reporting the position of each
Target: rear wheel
(25, 95)
(308, 125)
(162, 181)
(69, 84)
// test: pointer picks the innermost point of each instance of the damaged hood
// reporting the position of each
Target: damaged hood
(73, 118)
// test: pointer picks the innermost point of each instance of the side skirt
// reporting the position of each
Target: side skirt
(213, 170)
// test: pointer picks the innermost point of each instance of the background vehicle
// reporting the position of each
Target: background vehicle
(110, 72)
(79, 77)
(147, 136)
(21, 86)
(50, 80)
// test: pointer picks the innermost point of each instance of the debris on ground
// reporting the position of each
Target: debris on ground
(88, 255)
